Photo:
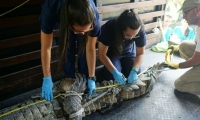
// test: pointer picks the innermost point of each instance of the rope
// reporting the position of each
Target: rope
(70, 93)
(77, 113)
(14, 110)
(94, 99)
(14, 8)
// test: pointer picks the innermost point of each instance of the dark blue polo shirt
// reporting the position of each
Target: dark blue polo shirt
(108, 35)
(49, 18)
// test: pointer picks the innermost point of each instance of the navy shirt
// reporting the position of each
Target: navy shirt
(108, 35)
(49, 18)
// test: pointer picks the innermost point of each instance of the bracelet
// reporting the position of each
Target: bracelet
(92, 78)
(135, 69)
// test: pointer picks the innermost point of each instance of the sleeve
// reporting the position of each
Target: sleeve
(175, 31)
(97, 26)
(49, 15)
(141, 41)
(168, 33)
(104, 37)
(191, 34)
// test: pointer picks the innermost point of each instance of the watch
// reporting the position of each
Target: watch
(92, 78)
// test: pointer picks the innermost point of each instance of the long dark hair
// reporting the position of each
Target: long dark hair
(74, 12)
(127, 19)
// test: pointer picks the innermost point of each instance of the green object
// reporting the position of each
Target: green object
(160, 47)
(135, 69)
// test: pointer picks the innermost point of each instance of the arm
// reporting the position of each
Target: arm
(46, 43)
(91, 55)
(139, 56)
(102, 50)
(118, 76)
(91, 61)
(47, 85)
(137, 63)
(195, 60)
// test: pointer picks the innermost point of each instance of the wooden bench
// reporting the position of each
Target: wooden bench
(20, 62)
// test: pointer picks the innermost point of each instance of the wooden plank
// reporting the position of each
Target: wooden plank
(111, 2)
(124, 6)
(153, 41)
(99, 4)
(151, 25)
(147, 26)
(18, 21)
(24, 73)
(153, 35)
(14, 3)
(56, 33)
(23, 40)
(20, 86)
(19, 31)
(19, 41)
(24, 57)
(151, 14)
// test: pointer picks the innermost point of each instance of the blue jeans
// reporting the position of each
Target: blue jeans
(69, 68)
(123, 64)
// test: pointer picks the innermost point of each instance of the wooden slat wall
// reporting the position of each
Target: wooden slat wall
(20, 64)
(148, 11)
(21, 70)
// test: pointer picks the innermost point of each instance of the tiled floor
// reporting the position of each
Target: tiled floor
(163, 102)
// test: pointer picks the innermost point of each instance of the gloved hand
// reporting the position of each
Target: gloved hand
(118, 76)
(132, 76)
(174, 48)
(168, 55)
(170, 52)
(91, 87)
(173, 65)
(47, 86)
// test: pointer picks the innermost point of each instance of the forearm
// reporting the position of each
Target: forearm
(46, 43)
(107, 62)
(189, 63)
(91, 61)
(193, 61)
(138, 60)
(46, 58)
(91, 55)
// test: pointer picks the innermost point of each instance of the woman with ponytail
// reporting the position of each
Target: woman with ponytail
(79, 26)
(121, 47)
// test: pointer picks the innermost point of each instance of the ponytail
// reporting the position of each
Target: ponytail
(127, 19)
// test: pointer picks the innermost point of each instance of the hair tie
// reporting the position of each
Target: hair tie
(129, 10)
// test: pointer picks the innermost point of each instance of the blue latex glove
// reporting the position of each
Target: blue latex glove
(118, 76)
(47, 86)
(91, 86)
(132, 77)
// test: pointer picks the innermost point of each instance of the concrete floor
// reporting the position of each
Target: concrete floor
(163, 102)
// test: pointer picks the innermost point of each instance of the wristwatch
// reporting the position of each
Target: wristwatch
(92, 78)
